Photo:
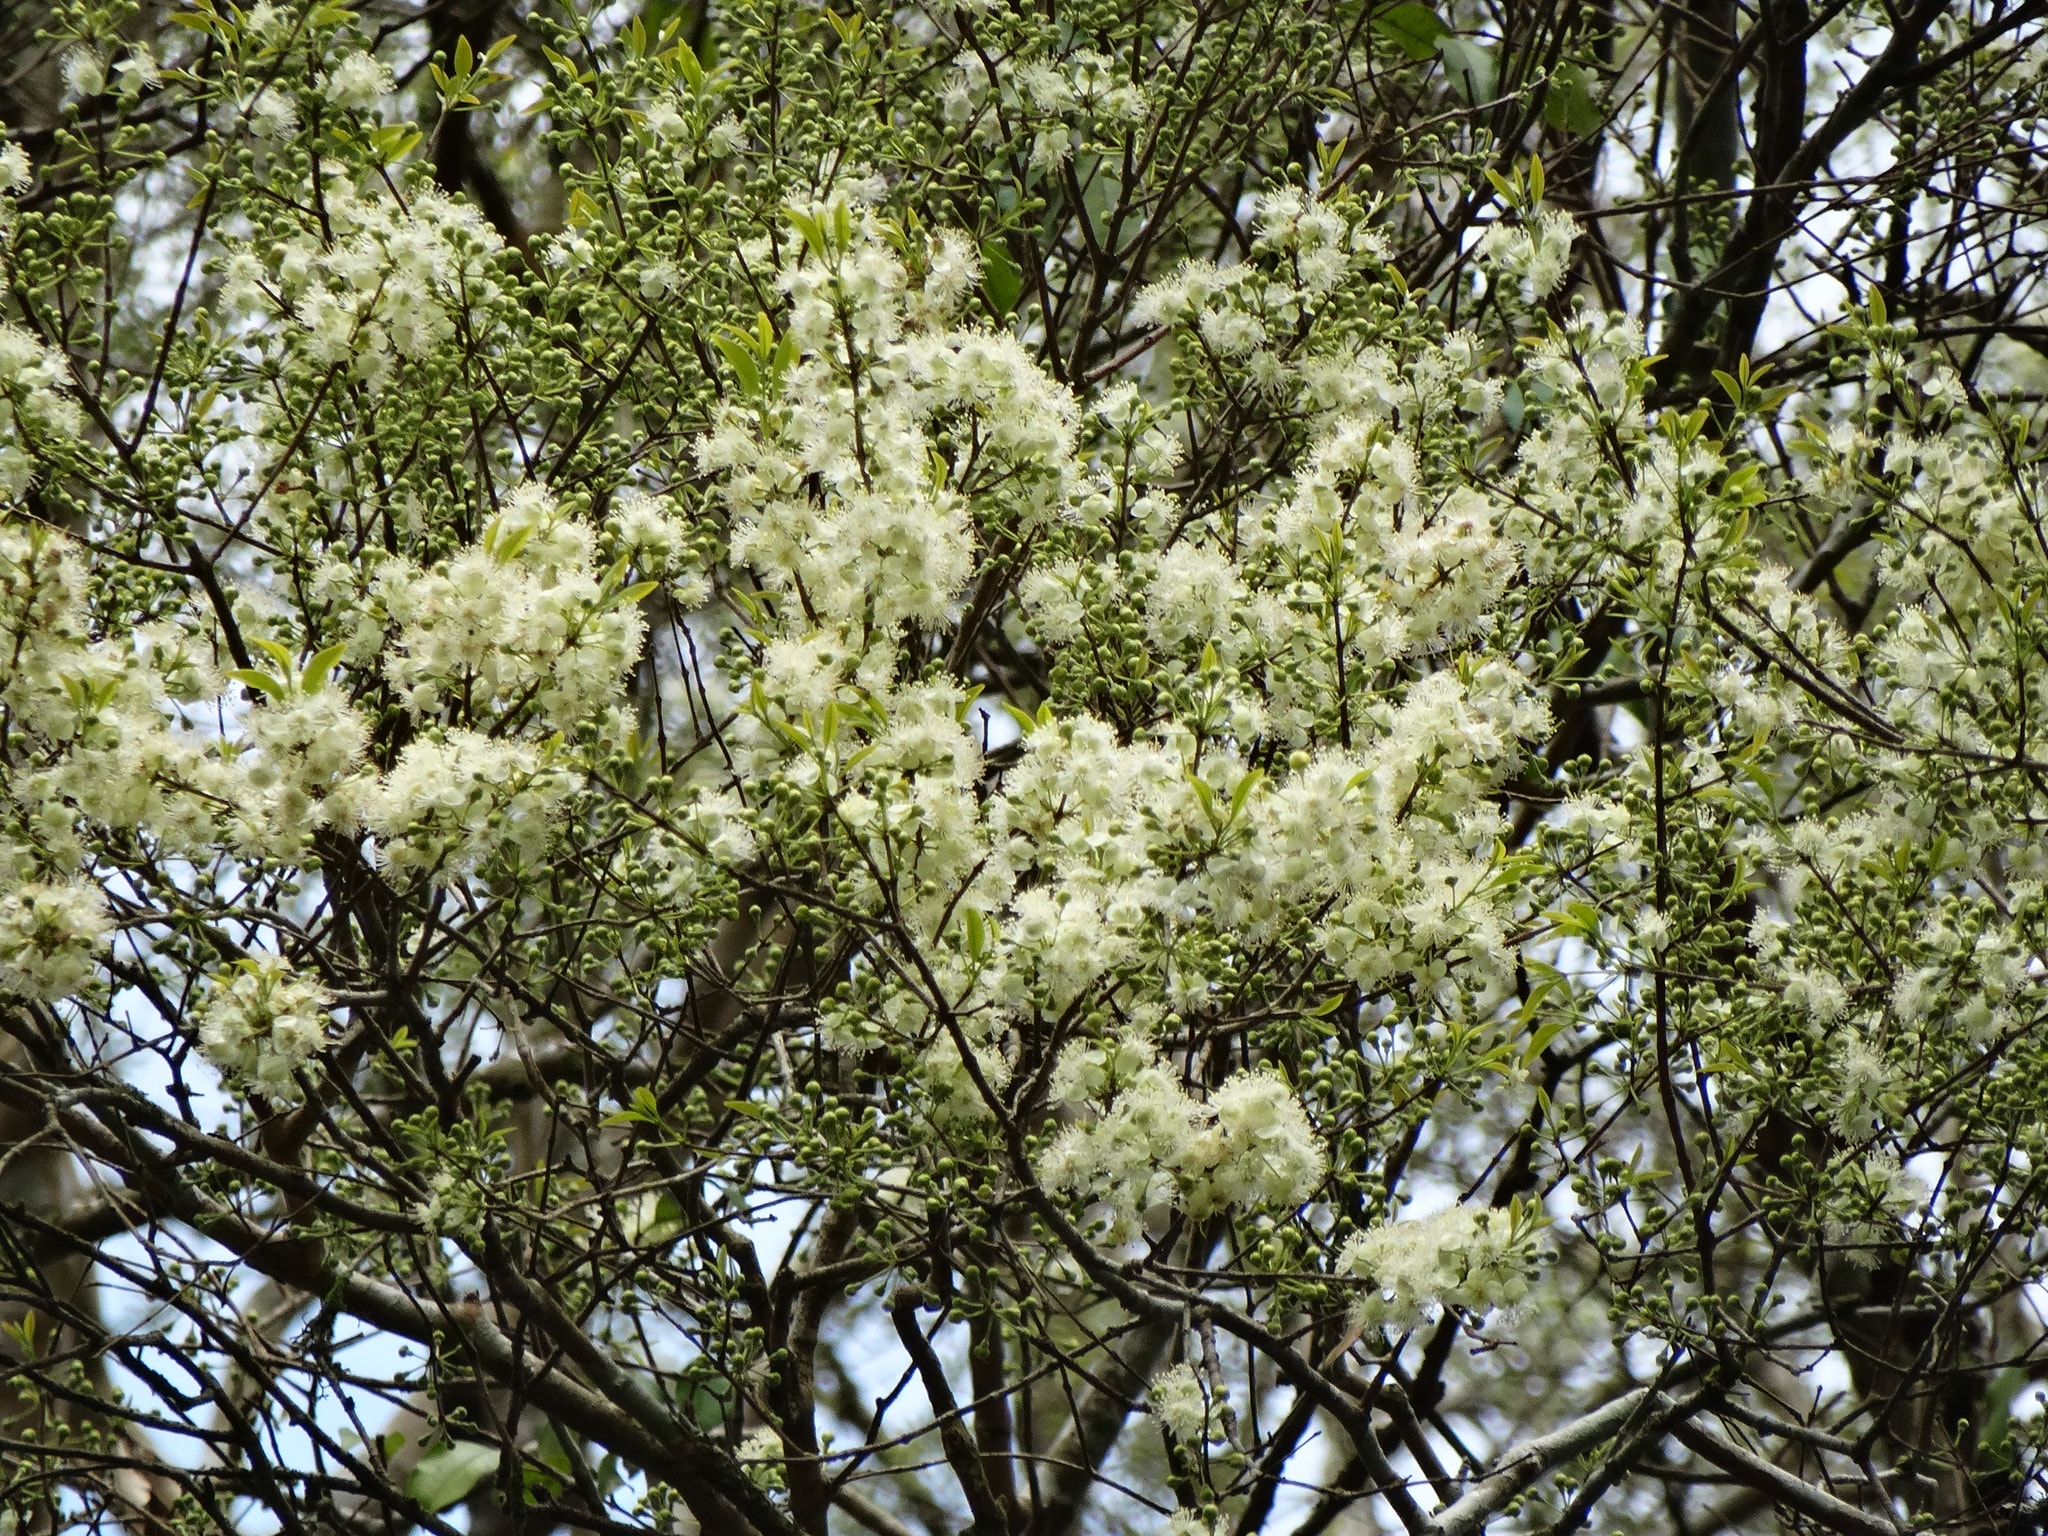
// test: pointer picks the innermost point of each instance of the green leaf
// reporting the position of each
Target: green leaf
(1001, 280)
(1512, 406)
(1539, 1041)
(739, 356)
(707, 1404)
(644, 1110)
(1470, 67)
(686, 61)
(394, 142)
(507, 547)
(323, 662)
(1412, 28)
(812, 231)
(1026, 721)
(1240, 796)
(446, 1476)
(1568, 103)
(262, 682)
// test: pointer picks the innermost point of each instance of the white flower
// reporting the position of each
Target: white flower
(955, 1096)
(1178, 1402)
(266, 22)
(1154, 1144)
(453, 803)
(50, 938)
(1818, 992)
(85, 72)
(520, 622)
(1051, 145)
(1881, 1197)
(273, 115)
(1534, 254)
(1124, 1159)
(658, 278)
(260, 1022)
(358, 81)
(304, 746)
(1865, 1089)
(1195, 594)
(15, 168)
(1089, 1070)
(138, 70)
(1231, 332)
(1265, 1151)
(1653, 932)
(1463, 1257)
(760, 1457)
(648, 531)
(32, 378)
(664, 120)
(727, 137)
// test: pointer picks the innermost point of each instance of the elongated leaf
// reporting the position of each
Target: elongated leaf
(263, 682)
(1469, 65)
(1000, 278)
(446, 1476)
(1412, 28)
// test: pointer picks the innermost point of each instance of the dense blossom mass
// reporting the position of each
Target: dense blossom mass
(713, 863)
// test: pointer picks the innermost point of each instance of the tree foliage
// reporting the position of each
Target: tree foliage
(1220, 764)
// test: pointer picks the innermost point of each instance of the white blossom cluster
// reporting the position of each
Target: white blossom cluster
(98, 735)
(1245, 314)
(305, 749)
(1533, 254)
(1153, 1144)
(520, 625)
(454, 800)
(1052, 104)
(883, 540)
(358, 82)
(761, 1456)
(1467, 1257)
(50, 938)
(1085, 877)
(260, 1023)
(391, 283)
(1120, 751)
(1180, 1403)
(124, 725)
(34, 408)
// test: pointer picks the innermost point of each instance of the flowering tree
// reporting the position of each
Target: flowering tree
(981, 769)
